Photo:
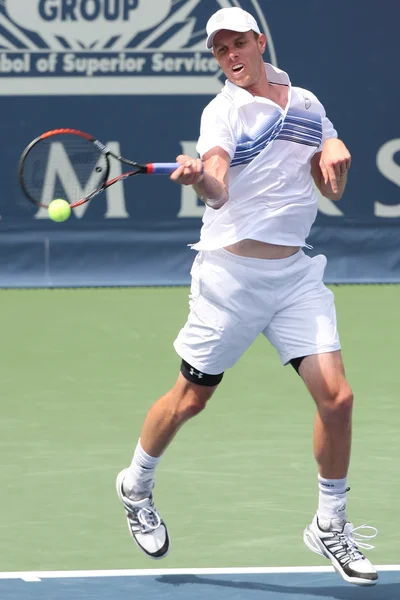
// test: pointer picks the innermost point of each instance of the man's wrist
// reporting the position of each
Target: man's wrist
(213, 202)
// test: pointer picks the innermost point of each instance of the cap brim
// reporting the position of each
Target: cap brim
(210, 39)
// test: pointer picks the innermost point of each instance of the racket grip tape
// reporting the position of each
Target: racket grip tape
(161, 168)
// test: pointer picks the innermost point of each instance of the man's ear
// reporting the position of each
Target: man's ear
(262, 42)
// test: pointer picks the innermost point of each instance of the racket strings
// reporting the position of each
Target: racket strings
(64, 166)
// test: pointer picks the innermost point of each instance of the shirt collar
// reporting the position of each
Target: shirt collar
(241, 97)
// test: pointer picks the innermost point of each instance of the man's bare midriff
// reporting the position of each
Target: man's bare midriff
(256, 249)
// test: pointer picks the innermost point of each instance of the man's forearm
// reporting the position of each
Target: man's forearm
(212, 191)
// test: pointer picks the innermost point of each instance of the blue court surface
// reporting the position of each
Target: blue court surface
(304, 583)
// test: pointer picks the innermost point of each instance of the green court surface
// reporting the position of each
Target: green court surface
(80, 368)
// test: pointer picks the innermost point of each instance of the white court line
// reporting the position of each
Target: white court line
(39, 575)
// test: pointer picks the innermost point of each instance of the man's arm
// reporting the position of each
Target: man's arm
(329, 168)
(209, 178)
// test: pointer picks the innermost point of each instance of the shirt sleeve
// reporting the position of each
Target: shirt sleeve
(328, 130)
(217, 128)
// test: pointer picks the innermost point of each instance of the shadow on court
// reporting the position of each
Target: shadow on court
(382, 591)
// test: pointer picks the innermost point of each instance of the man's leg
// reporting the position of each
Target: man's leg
(330, 534)
(185, 400)
(305, 326)
(325, 379)
(135, 484)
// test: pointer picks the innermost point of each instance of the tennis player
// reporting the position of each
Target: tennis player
(263, 144)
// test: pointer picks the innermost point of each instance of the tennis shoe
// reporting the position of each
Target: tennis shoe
(340, 542)
(144, 523)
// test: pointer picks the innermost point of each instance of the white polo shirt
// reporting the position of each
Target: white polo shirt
(271, 191)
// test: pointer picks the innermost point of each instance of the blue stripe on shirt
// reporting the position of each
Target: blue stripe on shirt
(299, 126)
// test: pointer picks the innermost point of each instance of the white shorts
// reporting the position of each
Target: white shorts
(233, 299)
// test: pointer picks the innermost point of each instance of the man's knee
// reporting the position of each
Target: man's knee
(191, 402)
(192, 396)
(337, 405)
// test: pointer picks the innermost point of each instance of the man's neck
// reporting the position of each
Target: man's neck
(275, 92)
(261, 89)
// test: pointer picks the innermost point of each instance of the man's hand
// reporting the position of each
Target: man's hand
(334, 163)
(190, 172)
(208, 178)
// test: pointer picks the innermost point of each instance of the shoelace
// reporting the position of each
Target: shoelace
(360, 536)
(148, 519)
(352, 542)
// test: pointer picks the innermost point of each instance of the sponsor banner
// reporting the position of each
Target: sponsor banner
(150, 39)
(136, 74)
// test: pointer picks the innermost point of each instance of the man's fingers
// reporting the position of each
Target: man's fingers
(189, 177)
(343, 169)
(324, 171)
(185, 161)
(333, 178)
(189, 172)
(194, 166)
(177, 173)
(338, 170)
(182, 158)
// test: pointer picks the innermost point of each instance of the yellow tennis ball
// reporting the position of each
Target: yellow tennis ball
(59, 210)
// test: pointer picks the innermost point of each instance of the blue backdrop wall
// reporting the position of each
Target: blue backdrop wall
(135, 74)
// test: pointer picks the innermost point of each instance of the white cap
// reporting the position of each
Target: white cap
(233, 19)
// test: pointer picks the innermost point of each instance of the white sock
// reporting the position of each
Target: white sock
(332, 501)
(139, 478)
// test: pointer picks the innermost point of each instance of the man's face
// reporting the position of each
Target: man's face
(240, 56)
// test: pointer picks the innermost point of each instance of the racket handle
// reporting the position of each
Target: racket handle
(162, 168)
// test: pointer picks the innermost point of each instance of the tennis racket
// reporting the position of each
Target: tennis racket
(85, 163)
